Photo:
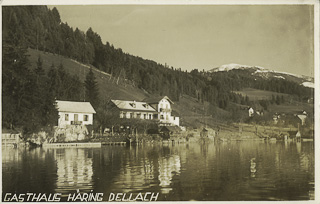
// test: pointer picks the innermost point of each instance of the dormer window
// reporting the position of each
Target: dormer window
(146, 106)
(133, 105)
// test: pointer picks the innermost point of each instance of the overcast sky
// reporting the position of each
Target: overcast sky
(278, 37)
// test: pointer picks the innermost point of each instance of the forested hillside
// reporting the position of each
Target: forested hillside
(28, 93)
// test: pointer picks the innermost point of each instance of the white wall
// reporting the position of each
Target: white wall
(62, 119)
(165, 104)
(167, 118)
(124, 114)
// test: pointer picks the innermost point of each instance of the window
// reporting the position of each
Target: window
(146, 106)
(85, 118)
(161, 117)
(133, 105)
(139, 115)
(145, 116)
(122, 114)
(131, 115)
(66, 117)
(75, 117)
(150, 116)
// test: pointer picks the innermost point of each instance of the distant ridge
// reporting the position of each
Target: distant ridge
(266, 73)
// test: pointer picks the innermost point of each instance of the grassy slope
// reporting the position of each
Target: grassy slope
(256, 94)
(107, 84)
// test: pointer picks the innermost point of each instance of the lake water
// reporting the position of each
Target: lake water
(204, 172)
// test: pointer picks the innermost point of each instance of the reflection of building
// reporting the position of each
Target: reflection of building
(74, 113)
(74, 168)
(167, 168)
(135, 176)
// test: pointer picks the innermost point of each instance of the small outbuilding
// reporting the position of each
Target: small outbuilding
(168, 131)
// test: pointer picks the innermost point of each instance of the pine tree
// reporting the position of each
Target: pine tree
(92, 90)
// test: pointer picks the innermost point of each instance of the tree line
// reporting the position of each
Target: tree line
(41, 28)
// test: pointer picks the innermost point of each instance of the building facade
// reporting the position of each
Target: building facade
(151, 109)
(134, 109)
(74, 113)
(163, 105)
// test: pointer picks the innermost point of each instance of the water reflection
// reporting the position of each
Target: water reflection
(74, 169)
(221, 171)
(168, 167)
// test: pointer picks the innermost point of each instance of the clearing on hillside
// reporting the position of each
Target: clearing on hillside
(257, 94)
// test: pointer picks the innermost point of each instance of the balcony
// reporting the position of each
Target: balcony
(165, 110)
(76, 122)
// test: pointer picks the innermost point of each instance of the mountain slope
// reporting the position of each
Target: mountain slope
(108, 86)
(266, 73)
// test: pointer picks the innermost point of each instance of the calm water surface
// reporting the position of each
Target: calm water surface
(209, 172)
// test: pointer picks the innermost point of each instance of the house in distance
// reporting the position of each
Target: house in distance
(134, 109)
(163, 107)
(151, 109)
(74, 113)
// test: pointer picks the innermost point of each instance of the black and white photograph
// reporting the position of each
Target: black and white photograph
(136, 101)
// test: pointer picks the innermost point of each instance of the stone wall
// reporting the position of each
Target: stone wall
(71, 133)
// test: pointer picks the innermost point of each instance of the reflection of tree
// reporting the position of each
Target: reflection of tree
(28, 170)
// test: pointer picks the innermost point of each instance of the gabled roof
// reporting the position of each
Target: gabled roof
(133, 106)
(157, 99)
(75, 107)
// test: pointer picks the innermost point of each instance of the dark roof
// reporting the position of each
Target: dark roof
(157, 99)
(170, 128)
(293, 133)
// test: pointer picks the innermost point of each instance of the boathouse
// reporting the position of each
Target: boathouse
(169, 131)
(10, 137)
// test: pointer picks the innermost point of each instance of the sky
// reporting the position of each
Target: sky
(277, 37)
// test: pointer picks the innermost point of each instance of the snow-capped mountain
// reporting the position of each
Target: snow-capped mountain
(308, 84)
(266, 73)
(228, 67)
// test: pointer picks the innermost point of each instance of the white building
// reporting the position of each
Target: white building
(74, 113)
(134, 109)
(163, 106)
(151, 109)
(251, 112)
(303, 117)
